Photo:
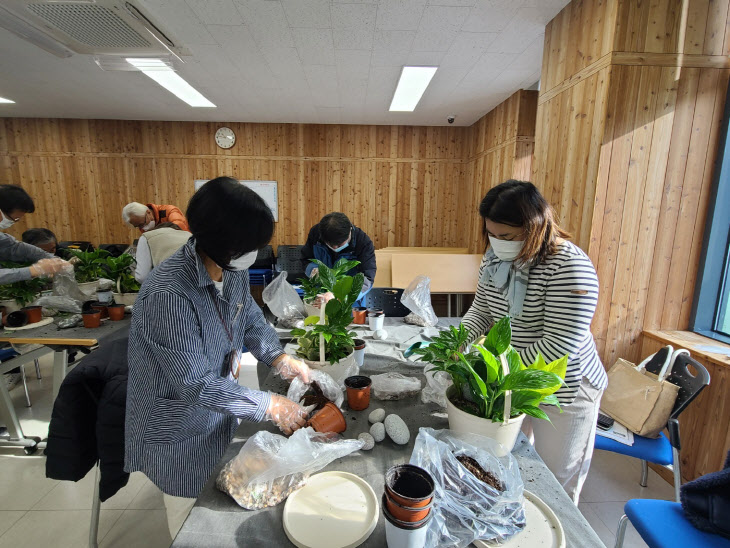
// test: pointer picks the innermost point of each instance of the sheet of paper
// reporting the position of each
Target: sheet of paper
(618, 432)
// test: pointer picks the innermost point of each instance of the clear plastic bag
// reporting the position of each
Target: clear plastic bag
(466, 508)
(394, 386)
(284, 302)
(270, 467)
(417, 297)
(65, 285)
(330, 389)
(436, 384)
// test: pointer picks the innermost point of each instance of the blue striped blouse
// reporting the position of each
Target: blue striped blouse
(182, 410)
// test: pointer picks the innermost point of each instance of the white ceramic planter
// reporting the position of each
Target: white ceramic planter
(461, 421)
(339, 371)
(10, 306)
(127, 299)
(89, 288)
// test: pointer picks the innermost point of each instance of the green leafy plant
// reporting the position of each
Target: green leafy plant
(338, 340)
(22, 292)
(326, 278)
(479, 377)
(89, 265)
(119, 269)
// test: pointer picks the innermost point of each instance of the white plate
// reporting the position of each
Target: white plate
(333, 510)
(42, 323)
(543, 528)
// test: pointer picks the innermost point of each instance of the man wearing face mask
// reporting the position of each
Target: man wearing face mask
(334, 238)
(146, 217)
(193, 315)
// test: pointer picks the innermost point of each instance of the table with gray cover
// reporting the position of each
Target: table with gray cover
(216, 520)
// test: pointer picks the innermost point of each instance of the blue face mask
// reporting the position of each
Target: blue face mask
(342, 247)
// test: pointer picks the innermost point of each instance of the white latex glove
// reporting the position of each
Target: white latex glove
(322, 299)
(286, 414)
(314, 272)
(47, 267)
(289, 368)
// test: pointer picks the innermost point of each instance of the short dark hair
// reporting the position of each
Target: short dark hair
(166, 225)
(14, 198)
(334, 228)
(39, 236)
(228, 219)
(520, 204)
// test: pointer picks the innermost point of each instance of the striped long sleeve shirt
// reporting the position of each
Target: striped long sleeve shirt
(182, 410)
(561, 298)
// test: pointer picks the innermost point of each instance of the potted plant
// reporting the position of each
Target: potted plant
(119, 270)
(493, 390)
(89, 267)
(324, 281)
(329, 344)
(16, 295)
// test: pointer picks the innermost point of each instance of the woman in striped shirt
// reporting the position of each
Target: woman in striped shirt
(549, 288)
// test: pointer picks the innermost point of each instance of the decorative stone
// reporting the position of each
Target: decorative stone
(369, 441)
(380, 334)
(377, 416)
(377, 431)
(397, 429)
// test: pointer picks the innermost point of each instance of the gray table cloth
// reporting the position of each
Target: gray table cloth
(216, 520)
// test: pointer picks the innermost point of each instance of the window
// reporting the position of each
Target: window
(711, 307)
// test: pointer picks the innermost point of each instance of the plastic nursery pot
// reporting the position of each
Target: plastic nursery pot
(35, 313)
(359, 351)
(116, 312)
(375, 312)
(101, 307)
(91, 319)
(409, 485)
(404, 513)
(328, 419)
(376, 321)
(15, 319)
(402, 534)
(359, 315)
(358, 392)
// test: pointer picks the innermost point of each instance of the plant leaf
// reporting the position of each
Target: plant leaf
(544, 382)
(531, 411)
(491, 363)
(500, 336)
(311, 320)
(342, 288)
(514, 360)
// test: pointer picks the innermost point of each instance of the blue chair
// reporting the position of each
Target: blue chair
(662, 450)
(260, 276)
(662, 524)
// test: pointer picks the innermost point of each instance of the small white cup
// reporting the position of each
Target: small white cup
(376, 322)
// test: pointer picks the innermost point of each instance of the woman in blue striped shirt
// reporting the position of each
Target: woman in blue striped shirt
(550, 289)
(191, 319)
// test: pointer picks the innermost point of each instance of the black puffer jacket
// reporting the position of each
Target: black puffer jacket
(87, 423)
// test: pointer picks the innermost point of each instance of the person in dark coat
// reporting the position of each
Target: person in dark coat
(335, 238)
(87, 423)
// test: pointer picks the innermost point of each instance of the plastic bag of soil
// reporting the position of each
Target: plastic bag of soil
(394, 386)
(467, 508)
(325, 385)
(67, 297)
(417, 297)
(270, 467)
(284, 302)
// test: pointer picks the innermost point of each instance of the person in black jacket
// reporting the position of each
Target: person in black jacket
(334, 238)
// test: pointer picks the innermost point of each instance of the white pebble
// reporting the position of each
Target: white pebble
(377, 416)
(377, 431)
(397, 429)
(369, 441)
(380, 334)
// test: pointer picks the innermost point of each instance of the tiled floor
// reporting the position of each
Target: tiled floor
(35, 511)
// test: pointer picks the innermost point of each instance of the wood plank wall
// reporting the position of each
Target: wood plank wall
(405, 186)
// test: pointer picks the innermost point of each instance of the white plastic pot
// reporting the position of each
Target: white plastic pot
(127, 299)
(89, 288)
(10, 305)
(339, 371)
(461, 421)
(311, 310)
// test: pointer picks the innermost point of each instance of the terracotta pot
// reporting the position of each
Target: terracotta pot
(15, 319)
(358, 392)
(404, 513)
(116, 312)
(359, 315)
(101, 307)
(409, 485)
(328, 419)
(35, 313)
(91, 319)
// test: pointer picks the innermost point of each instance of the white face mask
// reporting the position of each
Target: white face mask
(7, 222)
(506, 250)
(148, 226)
(244, 261)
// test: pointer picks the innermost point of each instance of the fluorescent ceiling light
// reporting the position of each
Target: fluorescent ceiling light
(164, 75)
(413, 82)
(4, 100)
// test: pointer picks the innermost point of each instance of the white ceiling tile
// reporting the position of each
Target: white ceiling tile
(329, 115)
(354, 94)
(315, 46)
(527, 24)
(425, 58)
(187, 26)
(355, 38)
(244, 54)
(467, 48)
(468, 3)
(352, 64)
(311, 14)
(491, 15)
(216, 12)
(486, 70)
(323, 85)
(400, 14)
(531, 57)
(394, 41)
(267, 23)
(388, 59)
(438, 27)
(347, 16)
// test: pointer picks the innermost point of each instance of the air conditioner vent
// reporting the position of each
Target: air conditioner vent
(92, 25)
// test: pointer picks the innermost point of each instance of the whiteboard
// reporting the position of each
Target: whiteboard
(268, 190)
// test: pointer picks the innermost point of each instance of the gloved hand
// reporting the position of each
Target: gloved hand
(47, 267)
(289, 367)
(314, 272)
(286, 414)
(322, 299)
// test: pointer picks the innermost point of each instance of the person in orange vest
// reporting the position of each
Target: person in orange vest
(146, 217)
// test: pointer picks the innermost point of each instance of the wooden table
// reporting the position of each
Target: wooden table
(56, 340)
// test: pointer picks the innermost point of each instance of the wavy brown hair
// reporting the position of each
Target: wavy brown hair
(520, 204)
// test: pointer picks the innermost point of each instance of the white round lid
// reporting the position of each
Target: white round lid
(333, 510)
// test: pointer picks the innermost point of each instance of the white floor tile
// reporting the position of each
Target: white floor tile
(606, 534)
(139, 529)
(8, 518)
(609, 513)
(23, 482)
(57, 528)
(69, 495)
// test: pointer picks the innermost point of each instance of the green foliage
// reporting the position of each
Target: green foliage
(479, 377)
(23, 292)
(89, 266)
(119, 269)
(338, 339)
(326, 278)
